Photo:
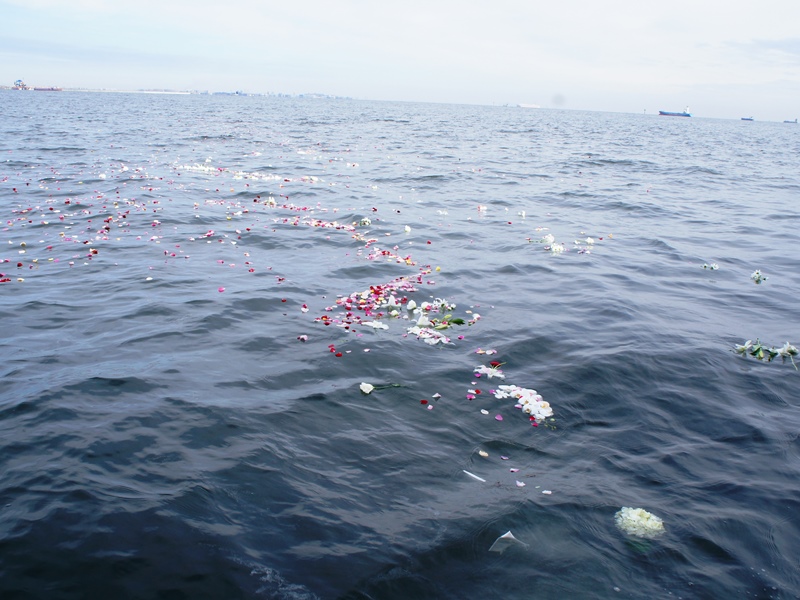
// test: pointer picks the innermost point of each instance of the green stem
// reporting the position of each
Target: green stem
(388, 385)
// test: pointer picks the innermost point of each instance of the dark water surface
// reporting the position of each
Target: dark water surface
(169, 432)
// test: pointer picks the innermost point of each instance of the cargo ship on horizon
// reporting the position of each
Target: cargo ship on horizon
(666, 113)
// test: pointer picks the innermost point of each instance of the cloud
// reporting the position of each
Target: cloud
(617, 54)
(790, 46)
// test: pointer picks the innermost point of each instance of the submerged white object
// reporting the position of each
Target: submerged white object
(504, 541)
(474, 476)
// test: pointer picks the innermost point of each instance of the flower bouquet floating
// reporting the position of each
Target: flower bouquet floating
(761, 352)
(639, 523)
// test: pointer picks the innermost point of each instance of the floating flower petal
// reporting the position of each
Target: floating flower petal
(505, 541)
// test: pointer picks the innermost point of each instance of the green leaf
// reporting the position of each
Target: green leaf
(457, 321)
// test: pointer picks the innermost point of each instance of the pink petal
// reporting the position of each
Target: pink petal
(222, 289)
(499, 417)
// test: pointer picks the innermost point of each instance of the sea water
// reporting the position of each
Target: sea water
(195, 288)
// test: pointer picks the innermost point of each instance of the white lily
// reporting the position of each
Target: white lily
(429, 336)
(366, 387)
(392, 302)
(742, 349)
(423, 321)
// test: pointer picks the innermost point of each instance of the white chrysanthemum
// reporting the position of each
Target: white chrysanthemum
(639, 523)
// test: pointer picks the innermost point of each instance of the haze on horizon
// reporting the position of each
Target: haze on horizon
(724, 61)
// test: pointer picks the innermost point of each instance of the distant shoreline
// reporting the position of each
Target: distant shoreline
(177, 92)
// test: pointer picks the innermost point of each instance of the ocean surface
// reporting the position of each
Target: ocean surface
(195, 288)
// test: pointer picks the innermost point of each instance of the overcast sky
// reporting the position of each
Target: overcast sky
(722, 59)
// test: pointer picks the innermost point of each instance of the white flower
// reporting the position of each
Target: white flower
(787, 350)
(429, 336)
(529, 400)
(538, 409)
(639, 523)
(557, 248)
(590, 240)
(366, 387)
(375, 324)
(411, 305)
(365, 222)
(423, 321)
(742, 349)
(757, 276)
(408, 229)
(489, 371)
(549, 238)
